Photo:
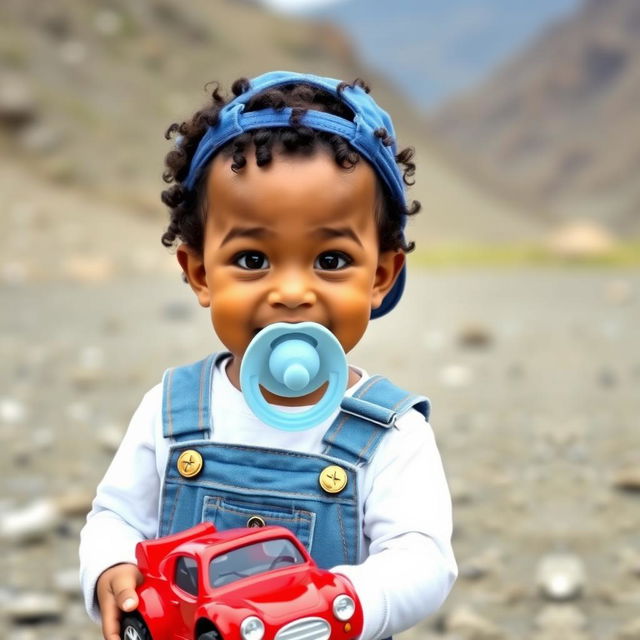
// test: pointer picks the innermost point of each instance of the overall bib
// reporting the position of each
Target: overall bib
(313, 495)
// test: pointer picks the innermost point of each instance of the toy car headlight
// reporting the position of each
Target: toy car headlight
(343, 607)
(252, 628)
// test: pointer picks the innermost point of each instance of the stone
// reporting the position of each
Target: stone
(30, 522)
(475, 336)
(561, 576)
(487, 563)
(12, 411)
(463, 622)
(627, 478)
(562, 617)
(17, 103)
(30, 607)
(456, 376)
(74, 503)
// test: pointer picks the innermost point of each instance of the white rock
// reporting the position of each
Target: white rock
(456, 376)
(12, 410)
(30, 522)
(561, 576)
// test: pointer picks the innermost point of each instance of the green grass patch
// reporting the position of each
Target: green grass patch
(469, 255)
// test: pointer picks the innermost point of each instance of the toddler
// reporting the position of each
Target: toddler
(287, 205)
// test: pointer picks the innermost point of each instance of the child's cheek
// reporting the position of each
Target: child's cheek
(350, 319)
(231, 318)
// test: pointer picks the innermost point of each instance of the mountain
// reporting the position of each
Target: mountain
(559, 126)
(88, 88)
(431, 49)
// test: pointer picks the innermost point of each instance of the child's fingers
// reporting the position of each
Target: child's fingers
(116, 591)
(123, 587)
(110, 618)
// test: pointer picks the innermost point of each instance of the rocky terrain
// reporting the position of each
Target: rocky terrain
(533, 376)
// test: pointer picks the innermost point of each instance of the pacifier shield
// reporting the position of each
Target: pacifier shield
(293, 360)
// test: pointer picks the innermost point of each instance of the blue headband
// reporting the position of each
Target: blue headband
(368, 116)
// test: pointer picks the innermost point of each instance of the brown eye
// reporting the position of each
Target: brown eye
(251, 260)
(332, 261)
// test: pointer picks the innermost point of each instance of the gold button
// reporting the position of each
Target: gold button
(333, 479)
(256, 521)
(189, 463)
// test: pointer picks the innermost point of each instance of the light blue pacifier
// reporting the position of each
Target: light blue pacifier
(292, 360)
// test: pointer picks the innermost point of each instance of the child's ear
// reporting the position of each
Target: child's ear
(192, 264)
(390, 264)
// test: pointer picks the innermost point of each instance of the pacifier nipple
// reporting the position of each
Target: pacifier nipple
(294, 363)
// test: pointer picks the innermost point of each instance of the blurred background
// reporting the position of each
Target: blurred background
(520, 318)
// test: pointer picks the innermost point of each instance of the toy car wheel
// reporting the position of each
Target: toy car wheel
(210, 635)
(132, 628)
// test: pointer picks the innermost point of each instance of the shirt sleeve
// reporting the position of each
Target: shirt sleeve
(407, 523)
(125, 509)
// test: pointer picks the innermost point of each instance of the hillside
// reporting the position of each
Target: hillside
(87, 90)
(433, 49)
(559, 127)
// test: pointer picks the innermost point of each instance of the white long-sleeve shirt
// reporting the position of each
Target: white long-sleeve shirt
(407, 566)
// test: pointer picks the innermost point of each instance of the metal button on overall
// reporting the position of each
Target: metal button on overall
(333, 479)
(256, 521)
(189, 463)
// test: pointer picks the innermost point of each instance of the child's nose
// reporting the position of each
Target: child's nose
(292, 290)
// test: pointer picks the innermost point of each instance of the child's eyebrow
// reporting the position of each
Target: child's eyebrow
(246, 232)
(337, 232)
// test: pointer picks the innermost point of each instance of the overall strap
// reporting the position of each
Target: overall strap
(186, 398)
(365, 417)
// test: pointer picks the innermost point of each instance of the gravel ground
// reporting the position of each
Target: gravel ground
(533, 377)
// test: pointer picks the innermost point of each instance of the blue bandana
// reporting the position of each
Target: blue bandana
(233, 121)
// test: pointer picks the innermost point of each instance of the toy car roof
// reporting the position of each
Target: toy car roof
(150, 553)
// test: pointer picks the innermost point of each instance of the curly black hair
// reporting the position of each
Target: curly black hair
(187, 211)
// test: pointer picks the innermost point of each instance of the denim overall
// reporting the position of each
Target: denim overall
(241, 485)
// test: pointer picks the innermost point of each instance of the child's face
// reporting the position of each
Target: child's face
(290, 242)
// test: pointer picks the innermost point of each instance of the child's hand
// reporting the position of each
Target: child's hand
(116, 592)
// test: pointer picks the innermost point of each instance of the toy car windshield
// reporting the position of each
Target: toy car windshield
(253, 559)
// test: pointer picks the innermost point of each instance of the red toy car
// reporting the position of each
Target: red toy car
(240, 584)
